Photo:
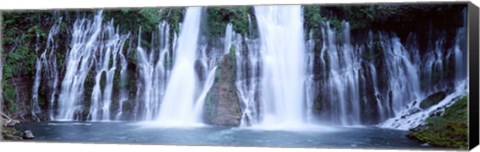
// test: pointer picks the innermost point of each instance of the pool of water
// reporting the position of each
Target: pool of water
(135, 133)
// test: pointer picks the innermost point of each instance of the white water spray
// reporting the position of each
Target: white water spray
(177, 108)
(283, 65)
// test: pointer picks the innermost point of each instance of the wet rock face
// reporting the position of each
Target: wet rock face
(222, 105)
(432, 100)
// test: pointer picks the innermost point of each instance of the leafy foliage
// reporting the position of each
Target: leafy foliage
(132, 19)
(20, 38)
(361, 16)
(219, 17)
(21, 32)
(312, 19)
(174, 16)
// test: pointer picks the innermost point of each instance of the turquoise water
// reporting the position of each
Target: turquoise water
(134, 133)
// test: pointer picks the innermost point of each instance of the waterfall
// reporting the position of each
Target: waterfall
(358, 85)
(402, 73)
(209, 63)
(123, 84)
(35, 109)
(283, 68)
(177, 108)
(47, 63)
(107, 52)
(51, 65)
(93, 45)
(153, 74)
(247, 74)
(50, 70)
(123, 93)
(341, 88)
(144, 83)
(460, 52)
(310, 85)
(78, 63)
(284, 79)
(433, 68)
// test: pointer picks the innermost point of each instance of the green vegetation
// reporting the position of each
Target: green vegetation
(312, 19)
(9, 96)
(10, 133)
(174, 16)
(360, 16)
(24, 32)
(19, 41)
(448, 130)
(219, 17)
(132, 19)
(19, 38)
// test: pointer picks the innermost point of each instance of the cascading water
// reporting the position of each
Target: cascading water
(282, 79)
(51, 68)
(283, 68)
(402, 73)
(46, 62)
(35, 109)
(177, 108)
(154, 73)
(342, 88)
(157, 105)
(247, 76)
(210, 65)
(434, 65)
(93, 45)
(78, 63)
(367, 85)
(310, 85)
(123, 83)
(107, 52)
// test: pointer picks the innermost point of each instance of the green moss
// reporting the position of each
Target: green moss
(209, 108)
(231, 53)
(448, 130)
(9, 94)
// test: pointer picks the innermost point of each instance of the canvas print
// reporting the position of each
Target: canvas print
(310, 76)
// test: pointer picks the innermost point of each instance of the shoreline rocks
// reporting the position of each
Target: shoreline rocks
(27, 134)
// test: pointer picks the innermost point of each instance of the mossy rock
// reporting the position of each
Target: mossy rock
(433, 100)
(222, 106)
(449, 130)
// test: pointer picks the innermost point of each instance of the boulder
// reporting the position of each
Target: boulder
(27, 134)
(433, 100)
(222, 104)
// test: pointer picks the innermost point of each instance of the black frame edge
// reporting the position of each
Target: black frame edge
(473, 50)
